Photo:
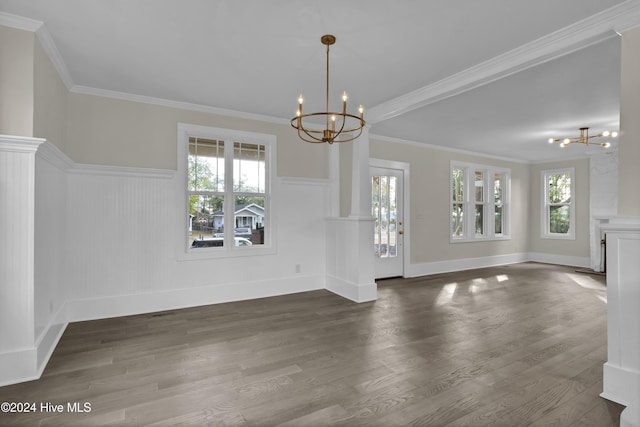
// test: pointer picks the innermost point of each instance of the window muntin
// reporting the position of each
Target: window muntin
(480, 190)
(558, 204)
(213, 159)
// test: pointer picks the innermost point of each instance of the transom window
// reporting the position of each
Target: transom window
(481, 192)
(558, 216)
(227, 176)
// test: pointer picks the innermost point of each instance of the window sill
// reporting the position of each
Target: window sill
(558, 237)
(478, 239)
(224, 253)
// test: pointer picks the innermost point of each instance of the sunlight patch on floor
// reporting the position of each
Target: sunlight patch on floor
(446, 294)
(588, 282)
(502, 277)
(477, 284)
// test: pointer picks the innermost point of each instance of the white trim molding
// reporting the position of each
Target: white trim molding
(584, 33)
(621, 372)
(448, 266)
(18, 351)
(174, 299)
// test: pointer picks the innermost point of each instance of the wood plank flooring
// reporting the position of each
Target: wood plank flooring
(506, 346)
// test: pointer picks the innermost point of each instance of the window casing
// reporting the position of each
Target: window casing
(558, 204)
(221, 168)
(484, 192)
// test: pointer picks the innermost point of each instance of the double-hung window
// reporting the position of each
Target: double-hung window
(227, 176)
(558, 216)
(479, 208)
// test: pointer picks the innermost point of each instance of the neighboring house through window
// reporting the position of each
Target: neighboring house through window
(558, 216)
(226, 175)
(479, 198)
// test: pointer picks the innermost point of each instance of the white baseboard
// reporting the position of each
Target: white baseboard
(630, 416)
(436, 267)
(353, 291)
(29, 363)
(125, 305)
(573, 261)
(18, 366)
(620, 385)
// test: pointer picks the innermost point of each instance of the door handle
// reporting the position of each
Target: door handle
(401, 232)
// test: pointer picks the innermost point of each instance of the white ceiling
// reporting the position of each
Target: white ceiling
(497, 77)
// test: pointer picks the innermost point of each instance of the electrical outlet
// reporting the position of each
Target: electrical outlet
(298, 268)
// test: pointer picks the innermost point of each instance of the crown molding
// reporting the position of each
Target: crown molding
(19, 22)
(53, 53)
(584, 33)
(124, 96)
(38, 27)
(448, 149)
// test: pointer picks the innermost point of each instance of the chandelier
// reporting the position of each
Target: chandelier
(339, 126)
(585, 138)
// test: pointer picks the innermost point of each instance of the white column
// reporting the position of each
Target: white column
(350, 255)
(622, 369)
(360, 181)
(18, 356)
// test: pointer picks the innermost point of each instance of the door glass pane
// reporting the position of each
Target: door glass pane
(384, 209)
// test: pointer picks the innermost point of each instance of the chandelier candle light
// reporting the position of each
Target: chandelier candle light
(584, 138)
(344, 132)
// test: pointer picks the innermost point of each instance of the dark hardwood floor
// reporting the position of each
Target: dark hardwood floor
(506, 346)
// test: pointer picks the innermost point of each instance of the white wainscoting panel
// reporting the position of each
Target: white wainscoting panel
(350, 258)
(122, 250)
(51, 241)
(18, 356)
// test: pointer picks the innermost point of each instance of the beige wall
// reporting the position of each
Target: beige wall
(16, 81)
(578, 247)
(50, 101)
(124, 133)
(629, 148)
(429, 216)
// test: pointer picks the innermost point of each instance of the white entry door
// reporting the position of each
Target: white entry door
(387, 210)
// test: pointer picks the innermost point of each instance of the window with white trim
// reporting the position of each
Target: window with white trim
(558, 216)
(483, 193)
(226, 177)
